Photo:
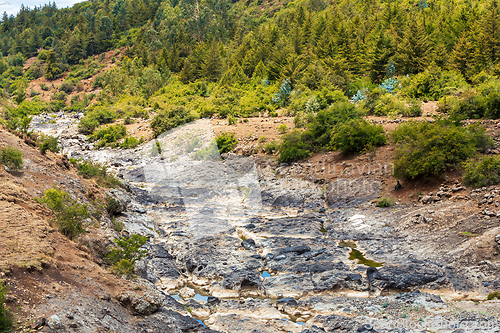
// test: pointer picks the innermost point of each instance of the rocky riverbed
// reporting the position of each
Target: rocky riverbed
(239, 245)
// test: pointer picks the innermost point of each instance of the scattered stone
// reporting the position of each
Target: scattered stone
(55, 322)
(248, 244)
(212, 300)
(142, 304)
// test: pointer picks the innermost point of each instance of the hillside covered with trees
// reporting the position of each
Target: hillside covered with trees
(327, 63)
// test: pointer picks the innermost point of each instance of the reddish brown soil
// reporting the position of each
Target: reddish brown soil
(35, 259)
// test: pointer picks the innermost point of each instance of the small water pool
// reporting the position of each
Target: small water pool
(201, 298)
(356, 254)
(198, 320)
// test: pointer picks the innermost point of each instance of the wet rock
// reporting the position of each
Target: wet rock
(212, 300)
(300, 249)
(288, 301)
(408, 275)
(288, 285)
(172, 322)
(242, 280)
(248, 244)
(187, 292)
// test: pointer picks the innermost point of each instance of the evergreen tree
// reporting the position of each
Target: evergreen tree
(52, 70)
(462, 55)
(414, 49)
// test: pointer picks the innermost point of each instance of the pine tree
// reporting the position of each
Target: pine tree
(52, 70)
(212, 64)
(491, 32)
(73, 50)
(414, 48)
(379, 56)
(260, 71)
(462, 55)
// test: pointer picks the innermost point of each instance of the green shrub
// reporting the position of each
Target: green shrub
(282, 128)
(413, 110)
(11, 157)
(94, 118)
(226, 142)
(108, 136)
(128, 121)
(168, 119)
(385, 202)
(5, 315)
(130, 142)
(433, 84)
(483, 172)
(389, 105)
(117, 225)
(320, 127)
(494, 295)
(127, 253)
(293, 148)
(271, 147)
(112, 205)
(59, 96)
(357, 135)
(69, 215)
(231, 120)
(209, 153)
(429, 149)
(96, 171)
(67, 87)
(47, 142)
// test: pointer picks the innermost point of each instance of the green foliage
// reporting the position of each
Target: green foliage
(494, 295)
(209, 153)
(52, 69)
(282, 128)
(231, 120)
(69, 215)
(385, 202)
(433, 84)
(130, 142)
(169, 119)
(429, 149)
(357, 135)
(117, 225)
(89, 169)
(483, 103)
(94, 118)
(226, 142)
(482, 172)
(320, 127)
(5, 315)
(108, 136)
(112, 205)
(128, 252)
(271, 147)
(67, 86)
(47, 142)
(11, 157)
(389, 105)
(293, 148)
